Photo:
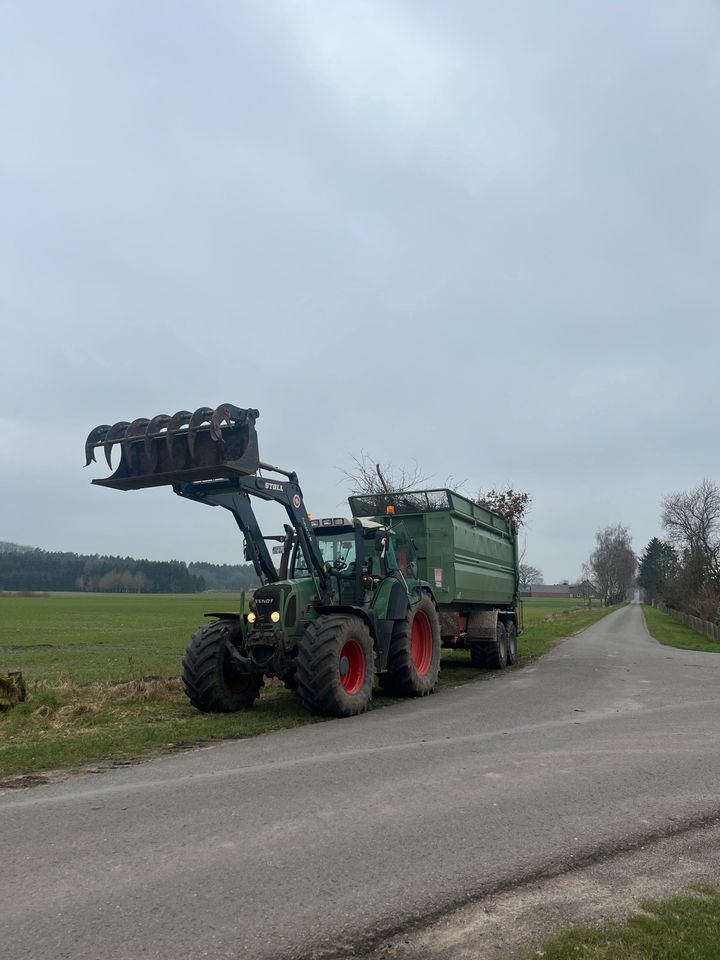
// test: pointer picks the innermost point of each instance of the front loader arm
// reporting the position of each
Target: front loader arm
(221, 494)
(235, 495)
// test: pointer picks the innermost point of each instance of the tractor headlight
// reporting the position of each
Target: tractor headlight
(275, 616)
(251, 617)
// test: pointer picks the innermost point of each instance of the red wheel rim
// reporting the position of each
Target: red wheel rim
(351, 666)
(421, 643)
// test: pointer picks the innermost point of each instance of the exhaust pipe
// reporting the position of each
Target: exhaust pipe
(209, 444)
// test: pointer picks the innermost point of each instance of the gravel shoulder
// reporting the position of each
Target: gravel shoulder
(514, 923)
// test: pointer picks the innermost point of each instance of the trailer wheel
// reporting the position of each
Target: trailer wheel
(478, 654)
(496, 652)
(211, 680)
(512, 647)
(414, 656)
(335, 666)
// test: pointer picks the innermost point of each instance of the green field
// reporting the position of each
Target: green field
(673, 634)
(682, 928)
(103, 676)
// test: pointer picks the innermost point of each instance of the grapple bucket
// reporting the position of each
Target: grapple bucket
(205, 445)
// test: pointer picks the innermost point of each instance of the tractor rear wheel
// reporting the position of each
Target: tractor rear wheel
(414, 657)
(335, 666)
(211, 680)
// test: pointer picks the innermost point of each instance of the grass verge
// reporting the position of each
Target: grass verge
(673, 634)
(102, 675)
(682, 928)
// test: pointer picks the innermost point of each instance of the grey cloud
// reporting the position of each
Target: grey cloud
(482, 237)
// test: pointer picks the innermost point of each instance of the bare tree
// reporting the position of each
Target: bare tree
(529, 576)
(692, 521)
(368, 477)
(612, 563)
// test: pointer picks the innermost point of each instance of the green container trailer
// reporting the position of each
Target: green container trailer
(468, 556)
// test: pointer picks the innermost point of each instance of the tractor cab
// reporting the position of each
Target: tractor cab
(359, 551)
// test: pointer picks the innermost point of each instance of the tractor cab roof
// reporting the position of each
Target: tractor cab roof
(343, 524)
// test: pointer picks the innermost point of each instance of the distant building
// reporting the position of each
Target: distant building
(547, 590)
(584, 590)
(558, 591)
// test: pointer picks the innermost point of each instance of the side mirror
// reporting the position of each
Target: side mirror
(381, 541)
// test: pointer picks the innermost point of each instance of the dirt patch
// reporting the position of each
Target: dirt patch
(24, 781)
(514, 923)
(17, 647)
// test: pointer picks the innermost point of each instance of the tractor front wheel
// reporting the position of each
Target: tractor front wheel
(210, 676)
(335, 666)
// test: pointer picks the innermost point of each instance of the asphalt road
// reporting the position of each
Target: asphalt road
(320, 838)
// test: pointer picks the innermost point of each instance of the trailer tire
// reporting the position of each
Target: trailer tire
(336, 666)
(211, 682)
(414, 656)
(496, 652)
(512, 643)
(478, 654)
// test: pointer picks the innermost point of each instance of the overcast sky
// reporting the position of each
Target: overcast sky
(480, 236)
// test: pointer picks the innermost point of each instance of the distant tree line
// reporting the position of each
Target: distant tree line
(43, 570)
(683, 570)
(225, 576)
(6, 547)
(29, 568)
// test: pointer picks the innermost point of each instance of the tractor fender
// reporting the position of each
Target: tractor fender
(426, 588)
(390, 601)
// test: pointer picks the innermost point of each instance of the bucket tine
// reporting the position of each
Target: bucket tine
(201, 415)
(136, 431)
(114, 434)
(177, 420)
(226, 413)
(154, 429)
(95, 438)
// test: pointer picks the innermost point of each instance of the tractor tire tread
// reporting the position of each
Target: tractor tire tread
(201, 675)
(317, 677)
(401, 678)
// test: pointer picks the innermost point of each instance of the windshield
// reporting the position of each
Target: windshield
(338, 549)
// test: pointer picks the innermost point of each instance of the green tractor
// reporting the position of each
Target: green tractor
(344, 603)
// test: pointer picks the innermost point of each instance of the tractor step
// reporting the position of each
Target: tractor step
(209, 444)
